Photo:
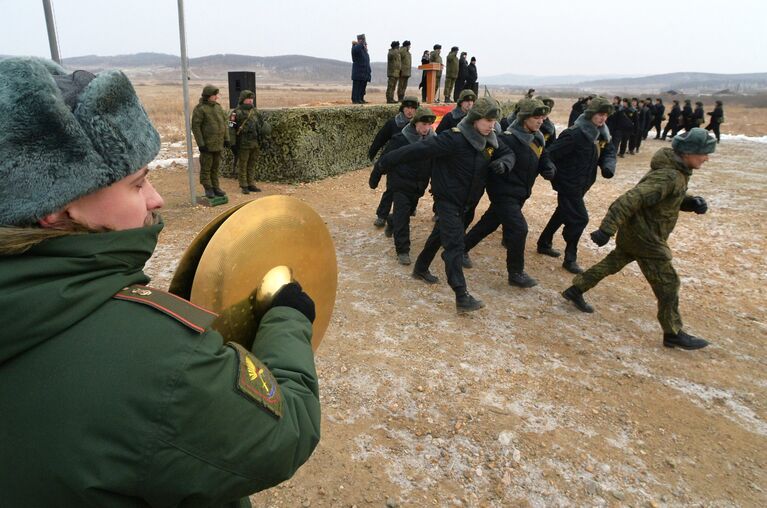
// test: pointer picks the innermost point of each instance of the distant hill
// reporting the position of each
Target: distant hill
(307, 69)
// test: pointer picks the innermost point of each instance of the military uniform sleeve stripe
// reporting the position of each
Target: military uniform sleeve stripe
(185, 312)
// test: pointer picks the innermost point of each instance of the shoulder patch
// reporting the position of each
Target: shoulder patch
(183, 311)
(455, 129)
(255, 382)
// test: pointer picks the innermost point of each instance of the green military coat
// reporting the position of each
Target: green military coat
(645, 216)
(209, 125)
(393, 63)
(451, 67)
(130, 400)
(406, 62)
(247, 126)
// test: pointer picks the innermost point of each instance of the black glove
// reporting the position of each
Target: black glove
(599, 237)
(694, 204)
(375, 176)
(549, 172)
(497, 167)
(608, 171)
(226, 144)
(203, 149)
(291, 295)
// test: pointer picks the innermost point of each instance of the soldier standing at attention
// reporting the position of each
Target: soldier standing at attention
(460, 82)
(509, 188)
(465, 102)
(406, 66)
(435, 57)
(210, 129)
(451, 73)
(471, 76)
(422, 84)
(361, 72)
(392, 127)
(577, 153)
(247, 129)
(114, 393)
(393, 68)
(644, 217)
(461, 158)
(717, 118)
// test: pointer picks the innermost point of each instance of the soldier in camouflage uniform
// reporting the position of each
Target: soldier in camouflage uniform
(644, 217)
(406, 68)
(209, 126)
(393, 68)
(451, 72)
(248, 130)
(435, 57)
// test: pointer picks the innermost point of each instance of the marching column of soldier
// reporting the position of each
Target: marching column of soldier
(471, 154)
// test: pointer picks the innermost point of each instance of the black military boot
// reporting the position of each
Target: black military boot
(218, 191)
(380, 222)
(403, 258)
(466, 261)
(522, 280)
(683, 340)
(546, 250)
(425, 275)
(575, 295)
(245, 190)
(464, 302)
(253, 188)
(572, 267)
(209, 192)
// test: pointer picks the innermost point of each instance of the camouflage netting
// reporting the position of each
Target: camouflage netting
(313, 143)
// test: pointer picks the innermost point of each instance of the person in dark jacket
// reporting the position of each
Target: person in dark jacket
(659, 116)
(643, 218)
(687, 114)
(460, 81)
(422, 84)
(578, 108)
(361, 71)
(635, 139)
(674, 123)
(466, 101)
(471, 76)
(509, 189)
(648, 108)
(627, 126)
(698, 115)
(407, 182)
(392, 127)
(115, 393)
(717, 118)
(461, 159)
(548, 129)
(577, 153)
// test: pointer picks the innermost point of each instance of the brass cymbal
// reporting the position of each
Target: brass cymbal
(261, 235)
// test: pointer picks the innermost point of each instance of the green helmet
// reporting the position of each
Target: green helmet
(696, 141)
(531, 107)
(598, 104)
(467, 95)
(423, 115)
(484, 108)
(209, 90)
(546, 100)
(246, 94)
(409, 101)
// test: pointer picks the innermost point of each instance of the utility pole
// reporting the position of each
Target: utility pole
(185, 83)
(51, 25)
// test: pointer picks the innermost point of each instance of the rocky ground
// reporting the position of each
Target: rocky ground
(529, 402)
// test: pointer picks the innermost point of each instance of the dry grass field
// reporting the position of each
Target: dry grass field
(527, 402)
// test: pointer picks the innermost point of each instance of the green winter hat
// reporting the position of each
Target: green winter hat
(423, 115)
(546, 100)
(696, 141)
(245, 94)
(531, 107)
(209, 90)
(484, 108)
(64, 135)
(409, 101)
(467, 95)
(598, 104)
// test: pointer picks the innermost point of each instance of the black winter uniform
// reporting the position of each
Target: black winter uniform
(687, 117)
(406, 182)
(508, 193)
(451, 119)
(392, 127)
(576, 153)
(674, 123)
(578, 108)
(458, 183)
(660, 110)
(549, 131)
(628, 129)
(698, 117)
(471, 78)
(717, 117)
(460, 81)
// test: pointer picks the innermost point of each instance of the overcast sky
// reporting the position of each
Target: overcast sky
(555, 37)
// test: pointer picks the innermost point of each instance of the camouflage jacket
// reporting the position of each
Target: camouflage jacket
(393, 63)
(209, 125)
(406, 62)
(645, 216)
(451, 69)
(247, 127)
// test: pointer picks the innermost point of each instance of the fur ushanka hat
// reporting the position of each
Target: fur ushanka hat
(64, 135)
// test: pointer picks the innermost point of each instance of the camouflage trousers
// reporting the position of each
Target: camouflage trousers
(401, 87)
(210, 162)
(659, 273)
(449, 85)
(390, 86)
(246, 166)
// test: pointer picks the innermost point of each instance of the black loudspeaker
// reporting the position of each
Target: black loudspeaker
(239, 81)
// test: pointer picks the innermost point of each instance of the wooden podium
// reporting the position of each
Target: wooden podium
(431, 77)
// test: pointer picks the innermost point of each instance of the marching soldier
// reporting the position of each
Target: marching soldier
(465, 102)
(115, 393)
(698, 115)
(461, 159)
(643, 218)
(687, 114)
(406, 65)
(577, 153)
(659, 117)
(548, 129)
(674, 123)
(248, 130)
(210, 129)
(717, 118)
(393, 68)
(392, 127)
(509, 188)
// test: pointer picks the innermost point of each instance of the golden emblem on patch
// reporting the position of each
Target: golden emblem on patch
(254, 373)
(141, 292)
